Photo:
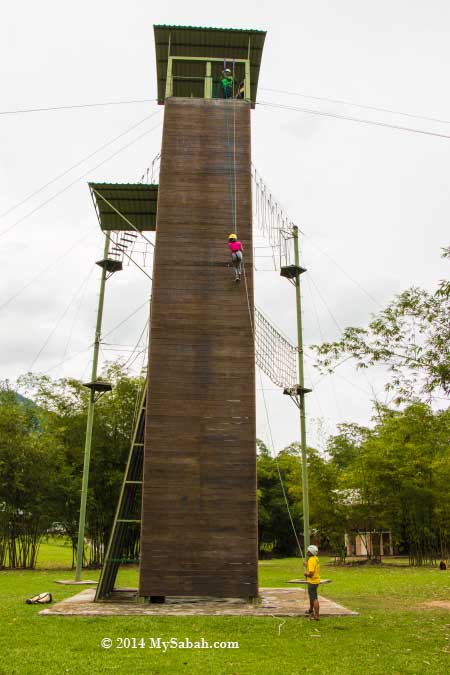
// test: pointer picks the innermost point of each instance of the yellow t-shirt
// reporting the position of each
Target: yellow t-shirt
(313, 566)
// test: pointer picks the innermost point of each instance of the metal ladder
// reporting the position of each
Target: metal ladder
(128, 512)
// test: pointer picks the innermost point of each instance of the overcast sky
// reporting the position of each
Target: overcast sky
(371, 200)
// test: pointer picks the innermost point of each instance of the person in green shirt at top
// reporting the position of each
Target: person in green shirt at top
(227, 83)
(312, 575)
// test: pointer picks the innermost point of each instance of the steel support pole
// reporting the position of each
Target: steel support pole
(301, 382)
(90, 421)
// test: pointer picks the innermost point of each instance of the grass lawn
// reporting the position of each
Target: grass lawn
(394, 633)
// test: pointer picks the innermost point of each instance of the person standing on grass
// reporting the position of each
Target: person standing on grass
(312, 576)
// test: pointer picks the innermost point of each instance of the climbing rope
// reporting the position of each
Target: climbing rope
(233, 183)
(234, 150)
(232, 174)
(274, 455)
(230, 167)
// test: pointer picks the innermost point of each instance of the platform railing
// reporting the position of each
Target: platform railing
(210, 88)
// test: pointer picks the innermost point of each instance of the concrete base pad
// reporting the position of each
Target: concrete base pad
(70, 582)
(273, 602)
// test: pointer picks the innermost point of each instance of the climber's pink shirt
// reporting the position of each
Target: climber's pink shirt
(235, 246)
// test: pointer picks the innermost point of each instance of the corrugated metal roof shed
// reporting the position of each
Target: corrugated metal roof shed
(136, 201)
(229, 43)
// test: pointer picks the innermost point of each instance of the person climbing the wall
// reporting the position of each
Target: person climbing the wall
(227, 83)
(236, 249)
(312, 575)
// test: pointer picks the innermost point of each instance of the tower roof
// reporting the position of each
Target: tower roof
(136, 201)
(220, 43)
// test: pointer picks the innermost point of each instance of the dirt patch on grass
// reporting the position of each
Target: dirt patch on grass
(437, 604)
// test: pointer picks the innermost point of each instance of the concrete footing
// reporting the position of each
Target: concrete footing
(124, 602)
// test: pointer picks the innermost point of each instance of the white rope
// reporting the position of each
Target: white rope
(234, 155)
(275, 457)
(253, 335)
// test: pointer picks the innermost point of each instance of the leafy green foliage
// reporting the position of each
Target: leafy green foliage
(393, 476)
(30, 470)
(42, 450)
(411, 336)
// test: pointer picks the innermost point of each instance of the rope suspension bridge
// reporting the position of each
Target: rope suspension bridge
(273, 223)
(275, 355)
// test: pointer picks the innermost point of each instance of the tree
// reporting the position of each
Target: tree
(274, 525)
(63, 409)
(411, 336)
(30, 471)
(280, 481)
(393, 477)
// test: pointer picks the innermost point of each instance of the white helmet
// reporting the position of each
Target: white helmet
(313, 549)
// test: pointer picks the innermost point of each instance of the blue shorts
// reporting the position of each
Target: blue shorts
(312, 591)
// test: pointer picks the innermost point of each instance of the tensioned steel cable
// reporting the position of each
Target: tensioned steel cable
(74, 166)
(340, 101)
(81, 351)
(348, 118)
(21, 111)
(64, 189)
(60, 318)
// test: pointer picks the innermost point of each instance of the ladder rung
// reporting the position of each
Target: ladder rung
(134, 468)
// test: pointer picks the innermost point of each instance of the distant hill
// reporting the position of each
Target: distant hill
(24, 399)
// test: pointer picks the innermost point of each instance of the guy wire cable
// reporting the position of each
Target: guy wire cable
(74, 166)
(114, 154)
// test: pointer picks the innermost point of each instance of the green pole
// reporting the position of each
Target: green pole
(302, 396)
(90, 421)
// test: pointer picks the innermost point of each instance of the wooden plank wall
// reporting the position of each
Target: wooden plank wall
(199, 510)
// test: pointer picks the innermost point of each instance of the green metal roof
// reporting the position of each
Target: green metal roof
(214, 28)
(136, 201)
(222, 43)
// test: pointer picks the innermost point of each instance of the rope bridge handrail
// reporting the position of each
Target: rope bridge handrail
(272, 221)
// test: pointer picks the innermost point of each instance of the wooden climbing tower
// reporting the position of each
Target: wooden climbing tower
(190, 481)
(199, 506)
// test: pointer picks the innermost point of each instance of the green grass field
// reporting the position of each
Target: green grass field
(394, 632)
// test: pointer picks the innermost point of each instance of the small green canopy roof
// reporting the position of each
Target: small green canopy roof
(221, 43)
(136, 201)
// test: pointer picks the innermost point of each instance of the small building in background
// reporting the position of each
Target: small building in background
(371, 544)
